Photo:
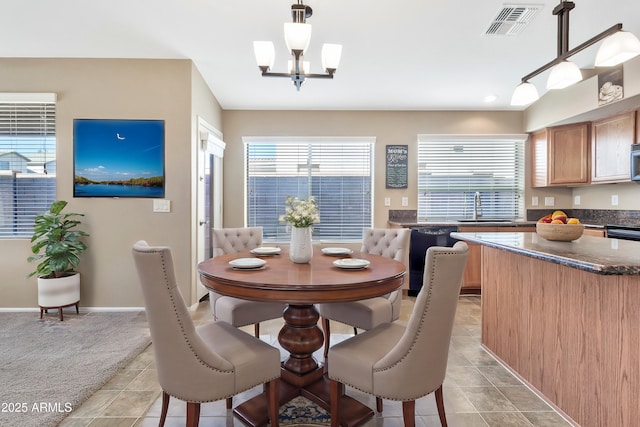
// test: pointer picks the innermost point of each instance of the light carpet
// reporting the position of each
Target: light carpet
(48, 368)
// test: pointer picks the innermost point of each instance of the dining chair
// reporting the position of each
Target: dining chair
(405, 362)
(366, 314)
(211, 362)
(236, 311)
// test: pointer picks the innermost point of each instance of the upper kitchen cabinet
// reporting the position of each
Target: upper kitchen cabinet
(611, 148)
(638, 127)
(560, 156)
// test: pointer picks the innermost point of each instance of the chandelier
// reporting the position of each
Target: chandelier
(297, 35)
(618, 46)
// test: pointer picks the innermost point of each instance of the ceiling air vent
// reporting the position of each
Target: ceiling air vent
(512, 19)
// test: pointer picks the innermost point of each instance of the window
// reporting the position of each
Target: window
(27, 160)
(451, 169)
(336, 171)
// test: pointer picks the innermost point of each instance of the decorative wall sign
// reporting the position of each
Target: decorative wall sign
(118, 158)
(397, 166)
(610, 85)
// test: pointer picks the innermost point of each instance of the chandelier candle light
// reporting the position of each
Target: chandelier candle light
(297, 35)
(301, 215)
(618, 46)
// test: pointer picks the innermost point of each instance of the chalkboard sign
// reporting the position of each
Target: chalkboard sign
(397, 166)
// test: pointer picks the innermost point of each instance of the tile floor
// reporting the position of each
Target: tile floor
(478, 391)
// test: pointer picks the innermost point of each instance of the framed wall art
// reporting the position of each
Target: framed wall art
(610, 85)
(118, 158)
(396, 174)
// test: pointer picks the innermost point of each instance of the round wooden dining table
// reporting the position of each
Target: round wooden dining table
(301, 286)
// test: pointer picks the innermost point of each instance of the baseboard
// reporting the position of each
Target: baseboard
(82, 309)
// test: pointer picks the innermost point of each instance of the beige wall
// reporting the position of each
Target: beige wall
(389, 127)
(123, 89)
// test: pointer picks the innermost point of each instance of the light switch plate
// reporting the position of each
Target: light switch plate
(614, 200)
(549, 201)
(161, 205)
(405, 201)
(387, 201)
(576, 200)
(534, 201)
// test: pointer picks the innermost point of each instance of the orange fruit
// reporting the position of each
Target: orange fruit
(573, 221)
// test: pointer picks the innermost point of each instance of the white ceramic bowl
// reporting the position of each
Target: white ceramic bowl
(560, 232)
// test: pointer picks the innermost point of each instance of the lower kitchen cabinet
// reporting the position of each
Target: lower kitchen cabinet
(472, 277)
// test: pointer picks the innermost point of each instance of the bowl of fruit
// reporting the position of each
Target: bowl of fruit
(557, 226)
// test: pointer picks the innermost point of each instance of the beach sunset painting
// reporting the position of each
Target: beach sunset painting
(118, 158)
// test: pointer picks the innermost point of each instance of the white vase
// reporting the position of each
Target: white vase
(300, 250)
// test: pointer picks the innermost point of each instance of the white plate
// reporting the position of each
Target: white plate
(351, 263)
(247, 263)
(336, 251)
(265, 250)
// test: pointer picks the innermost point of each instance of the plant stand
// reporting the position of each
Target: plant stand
(58, 293)
(45, 309)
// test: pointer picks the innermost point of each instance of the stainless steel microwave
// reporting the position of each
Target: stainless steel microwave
(635, 163)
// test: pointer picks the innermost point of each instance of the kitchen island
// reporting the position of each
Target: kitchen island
(565, 317)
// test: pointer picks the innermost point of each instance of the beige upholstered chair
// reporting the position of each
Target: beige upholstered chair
(404, 363)
(236, 311)
(212, 362)
(367, 314)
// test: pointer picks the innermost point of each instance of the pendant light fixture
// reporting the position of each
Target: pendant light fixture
(618, 46)
(297, 35)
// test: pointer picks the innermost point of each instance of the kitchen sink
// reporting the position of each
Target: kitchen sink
(484, 220)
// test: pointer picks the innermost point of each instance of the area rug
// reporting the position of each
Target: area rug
(48, 367)
(300, 411)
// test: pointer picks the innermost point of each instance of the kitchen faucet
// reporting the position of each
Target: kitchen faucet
(477, 205)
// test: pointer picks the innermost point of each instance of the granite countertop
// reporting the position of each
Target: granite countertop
(597, 255)
(463, 223)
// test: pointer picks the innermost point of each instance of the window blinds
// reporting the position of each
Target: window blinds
(451, 169)
(336, 171)
(27, 160)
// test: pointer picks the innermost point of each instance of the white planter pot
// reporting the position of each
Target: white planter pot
(59, 292)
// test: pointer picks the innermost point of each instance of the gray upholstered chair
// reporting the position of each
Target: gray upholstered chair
(397, 362)
(235, 311)
(367, 314)
(212, 362)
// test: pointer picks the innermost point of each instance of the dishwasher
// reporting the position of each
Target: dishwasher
(421, 239)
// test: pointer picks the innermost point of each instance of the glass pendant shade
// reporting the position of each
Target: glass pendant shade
(297, 36)
(331, 56)
(306, 67)
(617, 48)
(265, 53)
(563, 75)
(525, 94)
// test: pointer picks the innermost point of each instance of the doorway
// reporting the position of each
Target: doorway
(209, 198)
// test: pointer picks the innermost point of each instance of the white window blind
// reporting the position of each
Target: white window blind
(336, 171)
(27, 160)
(451, 169)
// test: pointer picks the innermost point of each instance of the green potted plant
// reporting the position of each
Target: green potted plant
(56, 245)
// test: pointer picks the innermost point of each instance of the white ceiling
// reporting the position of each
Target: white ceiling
(409, 55)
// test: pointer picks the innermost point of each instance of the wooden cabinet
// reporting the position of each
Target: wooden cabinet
(638, 127)
(611, 148)
(472, 277)
(597, 232)
(539, 159)
(560, 155)
(569, 154)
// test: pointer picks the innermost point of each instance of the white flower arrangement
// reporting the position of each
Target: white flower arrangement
(301, 213)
